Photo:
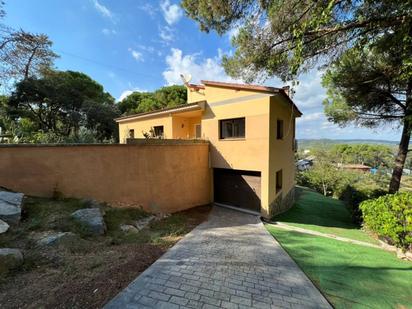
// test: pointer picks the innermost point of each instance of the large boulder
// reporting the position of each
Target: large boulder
(92, 218)
(10, 206)
(3, 227)
(10, 259)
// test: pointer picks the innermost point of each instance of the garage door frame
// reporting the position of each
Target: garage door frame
(240, 189)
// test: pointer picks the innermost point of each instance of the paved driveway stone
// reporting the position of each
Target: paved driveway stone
(229, 261)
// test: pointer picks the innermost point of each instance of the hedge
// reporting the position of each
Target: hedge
(390, 216)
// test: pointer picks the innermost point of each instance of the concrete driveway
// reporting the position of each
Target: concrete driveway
(229, 261)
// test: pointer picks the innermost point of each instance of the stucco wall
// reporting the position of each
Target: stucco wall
(160, 178)
(144, 126)
(249, 153)
(281, 154)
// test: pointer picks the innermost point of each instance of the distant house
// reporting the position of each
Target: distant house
(251, 131)
(356, 167)
(304, 164)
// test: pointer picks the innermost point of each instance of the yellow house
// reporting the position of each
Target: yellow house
(251, 131)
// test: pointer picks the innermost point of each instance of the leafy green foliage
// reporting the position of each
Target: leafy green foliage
(349, 186)
(286, 37)
(366, 86)
(59, 104)
(326, 179)
(325, 176)
(371, 155)
(354, 194)
(390, 216)
(139, 102)
(372, 86)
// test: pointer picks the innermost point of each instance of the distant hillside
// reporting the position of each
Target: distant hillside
(309, 143)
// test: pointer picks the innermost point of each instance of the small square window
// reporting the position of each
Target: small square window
(131, 133)
(279, 129)
(158, 131)
(279, 180)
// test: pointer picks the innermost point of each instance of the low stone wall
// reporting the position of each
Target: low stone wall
(159, 177)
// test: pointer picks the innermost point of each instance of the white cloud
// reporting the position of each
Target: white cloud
(103, 10)
(310, 93)
(208, 69)
(148, 9)
(128, 92)
(171, 12)
(138, 56)
(149, 49)
(311, 117)
(166, 34)
(106, 31)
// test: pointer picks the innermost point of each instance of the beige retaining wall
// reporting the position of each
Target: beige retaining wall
(160, 177)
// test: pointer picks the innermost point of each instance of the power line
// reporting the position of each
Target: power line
(105, 64)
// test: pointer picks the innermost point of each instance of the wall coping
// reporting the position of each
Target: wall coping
(130, 143)
(158, 141)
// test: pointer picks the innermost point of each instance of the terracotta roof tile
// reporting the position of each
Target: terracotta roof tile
(241, 86)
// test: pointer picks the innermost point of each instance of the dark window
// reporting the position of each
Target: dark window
(131, 133)
(198, 131)
(158, 131)
(232, 128)
(279, 129)
(279, 181)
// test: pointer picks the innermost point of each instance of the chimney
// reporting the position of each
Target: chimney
(286, 89)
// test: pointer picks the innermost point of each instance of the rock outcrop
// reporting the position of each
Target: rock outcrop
(92, 218)
(10, 206)
(3, 227)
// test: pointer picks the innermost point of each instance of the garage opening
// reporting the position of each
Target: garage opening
(237, 188)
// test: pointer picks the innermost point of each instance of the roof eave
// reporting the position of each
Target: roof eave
(200, 105)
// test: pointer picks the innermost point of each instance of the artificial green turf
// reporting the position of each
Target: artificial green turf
(350, 276)
(315, 212)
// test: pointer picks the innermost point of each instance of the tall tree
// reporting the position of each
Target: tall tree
(135, 102)
(372, 87)
(139, 102)
(63, 102)
(285, 37)
(22, 54)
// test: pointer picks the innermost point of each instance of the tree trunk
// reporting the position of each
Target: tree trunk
(403, 145)
(401, 157)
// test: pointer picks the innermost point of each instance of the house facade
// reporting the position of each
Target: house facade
(251, 132)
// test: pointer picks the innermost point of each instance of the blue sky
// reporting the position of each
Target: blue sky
(131, 45)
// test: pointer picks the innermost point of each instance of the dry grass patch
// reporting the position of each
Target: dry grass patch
(85, 271)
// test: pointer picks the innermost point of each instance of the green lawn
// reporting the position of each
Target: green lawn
(350, 276)
(313, 211)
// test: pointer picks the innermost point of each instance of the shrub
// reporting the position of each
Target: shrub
(356, 193)
(390, 216)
